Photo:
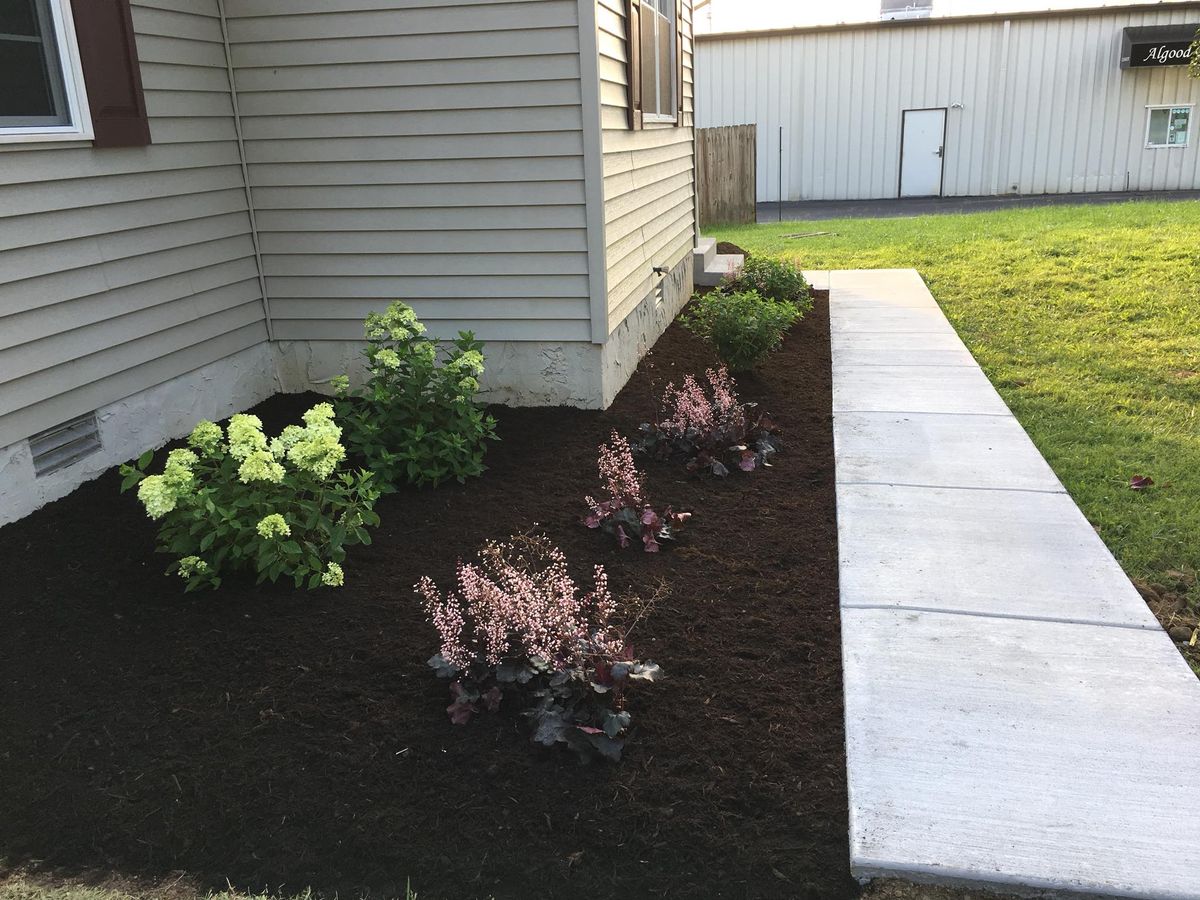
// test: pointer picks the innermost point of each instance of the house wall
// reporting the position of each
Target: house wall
(456, 154)
(1044, 106)
(126, 268)
(424, 151)
(649, 194)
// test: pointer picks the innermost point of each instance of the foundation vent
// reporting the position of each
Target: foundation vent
(60, 446)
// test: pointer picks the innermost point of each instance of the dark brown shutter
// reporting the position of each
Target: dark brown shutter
(679, 60)
(633, 50)
(112, 73)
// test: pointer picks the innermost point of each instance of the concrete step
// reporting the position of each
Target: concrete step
(709, 268)
(719, 269)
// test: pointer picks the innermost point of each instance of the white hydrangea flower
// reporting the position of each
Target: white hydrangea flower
(260, 465)
(333, 576)
(206, 437)
(156, 495)
(245, 435)
(319, 414)
(192, 565)
(388, 358)
(287, 439)
(273, 526)
(320, 451)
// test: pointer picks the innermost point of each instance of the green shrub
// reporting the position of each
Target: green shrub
(279, 507)
(416, 420)
(774, 279)
(742, 327)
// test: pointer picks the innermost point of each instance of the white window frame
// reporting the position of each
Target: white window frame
(1169, 106)
(650, 6)
(74, 91)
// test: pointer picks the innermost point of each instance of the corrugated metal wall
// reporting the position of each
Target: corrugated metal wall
(1035, 105)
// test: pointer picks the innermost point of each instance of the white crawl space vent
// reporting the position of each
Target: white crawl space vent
(60, 446)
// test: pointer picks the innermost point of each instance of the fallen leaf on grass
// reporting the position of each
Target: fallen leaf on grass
(1140, 482)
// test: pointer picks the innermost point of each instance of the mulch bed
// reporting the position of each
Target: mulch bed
(727, 247)
(282, 739)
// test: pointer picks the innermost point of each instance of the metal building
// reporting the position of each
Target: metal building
(1031, 103)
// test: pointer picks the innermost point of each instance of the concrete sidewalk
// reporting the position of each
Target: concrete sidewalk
(1015, 717)
(811, 210)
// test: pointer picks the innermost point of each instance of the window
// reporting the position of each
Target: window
(1168, 126)
(654, 41)
(41, 85)
(659, 66)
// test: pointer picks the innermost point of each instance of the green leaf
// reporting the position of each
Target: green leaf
(144, 459)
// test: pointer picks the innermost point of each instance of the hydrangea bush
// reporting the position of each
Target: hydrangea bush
(713, 430)
(625, 512)
(519, 625)
(234, 499)
(416, 420)
(742, 327)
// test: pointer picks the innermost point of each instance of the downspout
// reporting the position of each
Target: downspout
(241, 145)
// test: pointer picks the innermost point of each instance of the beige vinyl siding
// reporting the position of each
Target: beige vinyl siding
(648, 174)
(424, 151)
(123, 268)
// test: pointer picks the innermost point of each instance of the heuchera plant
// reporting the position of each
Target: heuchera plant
(234, 500)
(626, 511)
(712, 431)
(416, 420)
(519, 625)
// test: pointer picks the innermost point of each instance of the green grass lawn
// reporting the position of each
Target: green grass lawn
(1087, 320)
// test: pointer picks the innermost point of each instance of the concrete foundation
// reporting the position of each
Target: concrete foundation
(141, 422)
(634, 337)
(529, 373)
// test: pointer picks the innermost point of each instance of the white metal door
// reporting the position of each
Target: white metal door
(922, 149)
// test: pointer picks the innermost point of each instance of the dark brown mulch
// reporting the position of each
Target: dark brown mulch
(726, 247)
(284, 739)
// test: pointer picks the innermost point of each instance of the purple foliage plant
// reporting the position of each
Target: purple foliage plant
(624, 512)
(711, 429)
(517, 624)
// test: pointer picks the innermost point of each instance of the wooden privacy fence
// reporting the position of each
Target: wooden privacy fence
(726, 174)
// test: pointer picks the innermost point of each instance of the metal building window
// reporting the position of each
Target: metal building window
(40, 80)
(659, 65)
(1168, 126)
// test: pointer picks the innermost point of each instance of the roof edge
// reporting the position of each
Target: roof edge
(888, 24)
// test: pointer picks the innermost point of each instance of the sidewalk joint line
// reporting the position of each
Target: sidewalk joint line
(950, 487)
(1007, 616)
(919, 412)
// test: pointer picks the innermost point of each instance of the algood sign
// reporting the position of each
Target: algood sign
(1155, 46)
